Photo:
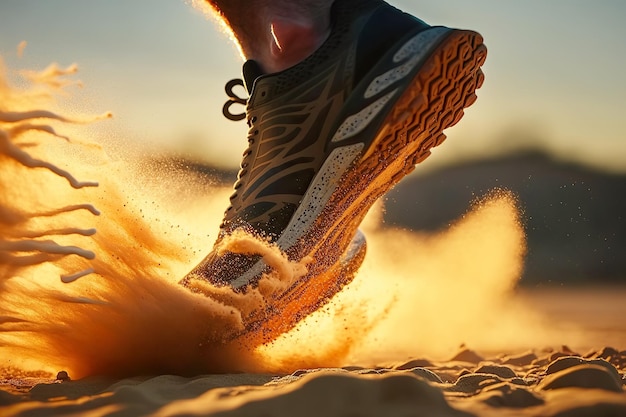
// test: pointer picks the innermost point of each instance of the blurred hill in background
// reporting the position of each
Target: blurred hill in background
(574, 216)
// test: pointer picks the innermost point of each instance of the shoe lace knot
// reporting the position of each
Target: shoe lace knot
(233, 98)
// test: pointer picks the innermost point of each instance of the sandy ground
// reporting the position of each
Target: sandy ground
(558, 381)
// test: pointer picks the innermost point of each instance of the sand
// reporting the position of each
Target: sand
(547, 383)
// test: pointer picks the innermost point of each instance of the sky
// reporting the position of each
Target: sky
(554, 74)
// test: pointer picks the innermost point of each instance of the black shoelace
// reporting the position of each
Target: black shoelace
(233, 99)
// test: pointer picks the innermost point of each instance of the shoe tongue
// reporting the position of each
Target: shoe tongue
(251, 71)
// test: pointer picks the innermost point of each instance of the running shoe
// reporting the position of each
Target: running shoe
(330, 135)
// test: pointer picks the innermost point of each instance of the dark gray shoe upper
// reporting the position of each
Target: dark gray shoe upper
(293, 114)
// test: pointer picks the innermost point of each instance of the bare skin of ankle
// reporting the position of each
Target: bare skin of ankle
(277, 34)
(292, 42)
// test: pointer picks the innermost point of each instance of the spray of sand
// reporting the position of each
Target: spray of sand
(89, 275)
(73, 298)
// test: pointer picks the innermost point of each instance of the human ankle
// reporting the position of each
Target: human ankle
(292, 41)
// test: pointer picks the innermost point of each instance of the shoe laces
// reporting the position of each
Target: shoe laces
(252, 133)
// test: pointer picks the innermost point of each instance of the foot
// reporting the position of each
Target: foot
(333, 133)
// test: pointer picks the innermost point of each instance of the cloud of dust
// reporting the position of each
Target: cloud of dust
(94, 290)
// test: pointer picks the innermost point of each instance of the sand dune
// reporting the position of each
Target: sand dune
(548, 383)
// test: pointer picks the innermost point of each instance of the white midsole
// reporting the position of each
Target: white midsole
(355, 123)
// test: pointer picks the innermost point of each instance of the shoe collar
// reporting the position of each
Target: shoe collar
(251, 71)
